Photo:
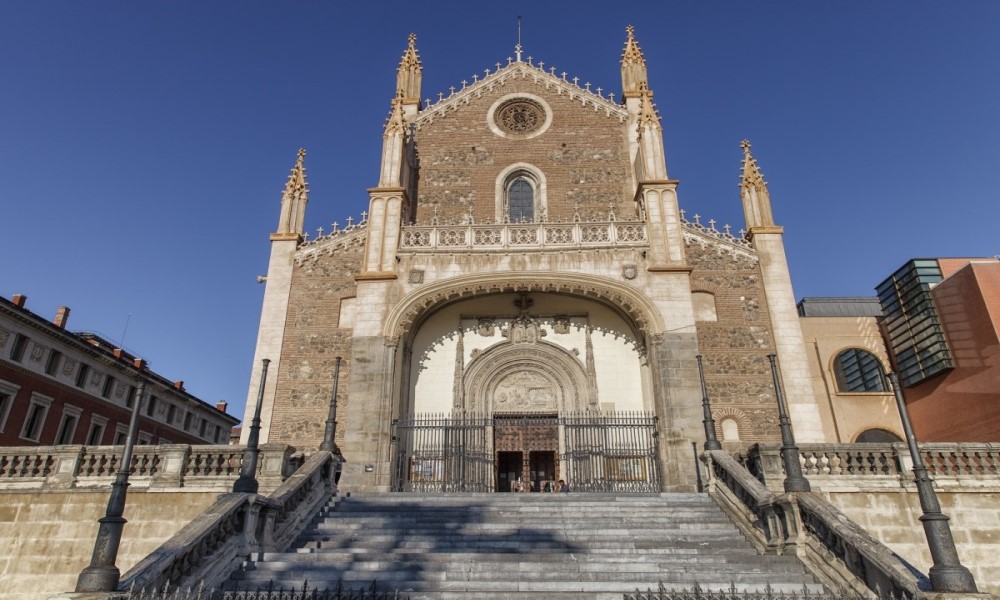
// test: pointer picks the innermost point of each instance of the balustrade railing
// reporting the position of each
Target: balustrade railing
(841, 553)
(948, 463)
(168, 465)
(211, 546)
(522, 235)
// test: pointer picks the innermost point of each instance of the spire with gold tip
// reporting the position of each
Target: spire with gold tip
(753, 189)
(410, 73)
(294, 198)
(633, 65)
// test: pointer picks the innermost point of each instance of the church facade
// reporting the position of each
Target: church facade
(525, 299)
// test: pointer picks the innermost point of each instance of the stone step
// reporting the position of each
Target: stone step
(331, 556)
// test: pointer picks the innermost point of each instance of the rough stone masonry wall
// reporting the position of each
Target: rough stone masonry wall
(735, 347)
(48, 537)
(583, 155)
(313, 339)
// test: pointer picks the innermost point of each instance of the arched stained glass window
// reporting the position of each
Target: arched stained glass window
(858, 370)
(521, 201)
(877, 436)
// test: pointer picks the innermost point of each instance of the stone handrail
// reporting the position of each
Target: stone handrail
(830, 534)
(163, 466)
(209, 548)
(751, 504)
(838, 551)
(417, 238)
(947, 463)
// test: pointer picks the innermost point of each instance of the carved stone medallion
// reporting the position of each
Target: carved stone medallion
(519, 116)
(630, 271)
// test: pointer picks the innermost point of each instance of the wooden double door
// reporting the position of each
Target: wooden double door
(527, 448)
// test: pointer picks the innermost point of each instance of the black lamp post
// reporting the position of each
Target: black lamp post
(102, 575)
(794, 480)
(946, 573)
(711, 441)
(247, 481)
(331, 420)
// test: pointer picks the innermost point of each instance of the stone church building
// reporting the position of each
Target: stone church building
(524, 298)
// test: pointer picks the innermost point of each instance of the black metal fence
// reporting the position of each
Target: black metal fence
(271, 592)
(597, 452)
(768, 593)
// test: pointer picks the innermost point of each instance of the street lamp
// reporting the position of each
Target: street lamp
(794, 480)
(102, 575)
(946, 573)
(247, 481)
(711, 441)
(331, 421)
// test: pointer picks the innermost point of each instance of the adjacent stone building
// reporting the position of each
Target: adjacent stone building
(525, 297)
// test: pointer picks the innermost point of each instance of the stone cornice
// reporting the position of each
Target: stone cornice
(286, 237)
(376, 276)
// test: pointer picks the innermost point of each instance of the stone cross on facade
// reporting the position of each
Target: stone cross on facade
(364, 216)
(350, 221)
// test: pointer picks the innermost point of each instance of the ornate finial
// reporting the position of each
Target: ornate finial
(753, 189)
(633, 63)
(410, 72)
(396, 123)
(295, 194)
(647, 113)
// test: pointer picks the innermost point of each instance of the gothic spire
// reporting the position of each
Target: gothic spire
(294, 198)
(409, 73)
(396, 122)
(753, 189)
(647, 112)
(633, 65)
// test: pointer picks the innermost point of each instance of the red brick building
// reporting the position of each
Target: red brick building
(60, 387)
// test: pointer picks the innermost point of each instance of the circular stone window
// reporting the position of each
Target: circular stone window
(519, 116)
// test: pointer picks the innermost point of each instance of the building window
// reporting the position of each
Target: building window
(520, 194)
(202, 428)
(171, 414)
(187, 421)
(218, 434)
(7, 392)
(521, 201)
(81, 375)
(38, 409)
(858, 370)
(130, 398)
(121, 434)
(109, 386)
(144, 439)
(151, 406)
(67, 426)
(96, 433)
(877, 436)
(20, 345)
(52, 364)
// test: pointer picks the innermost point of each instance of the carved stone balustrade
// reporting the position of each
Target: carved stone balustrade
(873, 466)
(202, 467)
(485, 238)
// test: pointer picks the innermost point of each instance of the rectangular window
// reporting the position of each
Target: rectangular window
(7, 393)
(67, 426)
(38, 409)
(109, 386)
(218, 434)
(202, 428)
(130, 398)
(20, 345)
(52, 364)
(81, 376)
(144, 439)
(151, 406)
(96, 434)
(187, 421)
(121, 433)
(171, 414)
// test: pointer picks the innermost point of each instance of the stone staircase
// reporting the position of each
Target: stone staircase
(512, 546)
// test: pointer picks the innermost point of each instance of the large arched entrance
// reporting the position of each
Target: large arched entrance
(532, 386)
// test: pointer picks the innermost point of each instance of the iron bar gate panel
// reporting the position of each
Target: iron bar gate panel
(615, 452)
(440, 453)
(597, 452)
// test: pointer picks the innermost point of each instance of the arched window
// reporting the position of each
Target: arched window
(858, 370)
(521, 200)
(877, 436)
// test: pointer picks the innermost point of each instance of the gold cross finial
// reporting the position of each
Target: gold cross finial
(745, 144)
(630, 31)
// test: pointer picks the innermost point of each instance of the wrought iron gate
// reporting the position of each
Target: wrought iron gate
(597, 453)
